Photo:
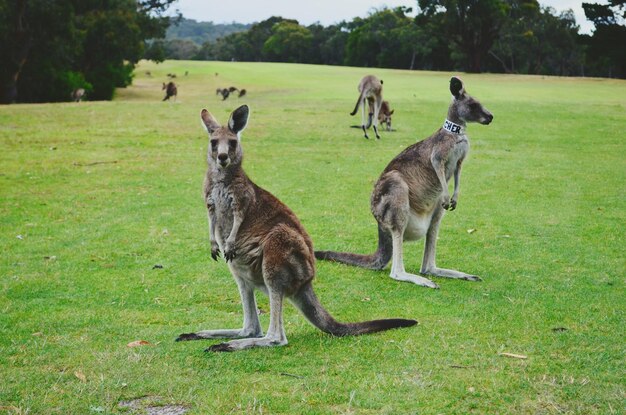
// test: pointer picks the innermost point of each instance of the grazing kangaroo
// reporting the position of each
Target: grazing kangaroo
(370, 90)
(384, 116)
(170, 90)
(411, 194)
(265, 246)
(223, 92)
(242, 92)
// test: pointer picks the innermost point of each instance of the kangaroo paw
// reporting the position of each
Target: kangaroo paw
(221, 347)
(188, 336)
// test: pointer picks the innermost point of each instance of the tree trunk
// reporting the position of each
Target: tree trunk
(18, 55)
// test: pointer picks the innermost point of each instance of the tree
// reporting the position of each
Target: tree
(52, 47)
(605, 51)
(536, 40)
(386, 38)
(471, 25)
(289, 42)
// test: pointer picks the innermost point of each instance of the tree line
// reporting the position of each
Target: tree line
(50, 48)
(509, 36)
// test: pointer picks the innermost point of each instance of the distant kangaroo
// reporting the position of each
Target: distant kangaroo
(370, 90)
(384, 116)
(265, 246)
(412, 192)
(170, 90)
(225, 92)
(77, 94)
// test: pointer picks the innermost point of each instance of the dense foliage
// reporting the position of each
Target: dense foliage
(49, 48)
(512, 36)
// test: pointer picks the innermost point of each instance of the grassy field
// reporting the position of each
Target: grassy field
(94, 195)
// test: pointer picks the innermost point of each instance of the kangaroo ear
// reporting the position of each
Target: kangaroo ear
(239, 119)
(391, 111)
(456, 87)
(210, 123)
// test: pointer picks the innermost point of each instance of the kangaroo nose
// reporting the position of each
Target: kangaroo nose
(222, 157)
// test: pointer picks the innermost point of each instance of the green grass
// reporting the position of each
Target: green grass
(100, 192)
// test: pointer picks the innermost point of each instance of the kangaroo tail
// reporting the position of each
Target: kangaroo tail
(307, 302)
(358, 102)
(377, 260)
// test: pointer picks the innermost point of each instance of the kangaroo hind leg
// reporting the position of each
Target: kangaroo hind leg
(251, 325)
(390, 205)
(363, 125)
(282, 268)
(275, 334)
(429, 266)
(377, 104)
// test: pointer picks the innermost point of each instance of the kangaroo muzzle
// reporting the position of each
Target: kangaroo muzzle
(487, 118)
(223, 159)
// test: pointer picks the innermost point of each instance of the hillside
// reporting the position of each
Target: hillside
(200, 32)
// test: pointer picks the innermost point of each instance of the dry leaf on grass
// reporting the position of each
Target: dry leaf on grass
(138, 343)
(81, 376)
(514, 356)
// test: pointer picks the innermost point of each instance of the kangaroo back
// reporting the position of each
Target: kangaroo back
(307, 302)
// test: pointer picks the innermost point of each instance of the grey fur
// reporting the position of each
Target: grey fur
(371, 91)
(411, 195)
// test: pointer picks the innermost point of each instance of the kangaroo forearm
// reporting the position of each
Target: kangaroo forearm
(237, 220)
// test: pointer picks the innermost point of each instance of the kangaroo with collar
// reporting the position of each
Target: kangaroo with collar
(411, 195)
(265, 247)
(370, 90)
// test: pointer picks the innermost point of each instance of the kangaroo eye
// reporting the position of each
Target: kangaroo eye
(474, 106)
(213, 144)
(232, 144)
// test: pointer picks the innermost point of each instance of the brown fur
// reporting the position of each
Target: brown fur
(265, 245)
(170, 90)
(384, 116)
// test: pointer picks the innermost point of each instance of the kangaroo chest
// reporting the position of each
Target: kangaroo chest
(221, 201)
(457, 153)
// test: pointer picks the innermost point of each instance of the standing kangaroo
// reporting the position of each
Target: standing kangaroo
(170, 90)
(265, 246)
(370, 90)
(411, 194)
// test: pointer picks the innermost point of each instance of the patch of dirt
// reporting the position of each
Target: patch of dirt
(149, 405)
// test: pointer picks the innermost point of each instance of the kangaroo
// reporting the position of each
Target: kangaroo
(225, 92)
(78, 94)
(242, 92)
(411, 195)
(370, 90)
(384, 116)
(170, 90)
(264, 245)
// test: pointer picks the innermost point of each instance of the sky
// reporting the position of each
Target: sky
(325, 12)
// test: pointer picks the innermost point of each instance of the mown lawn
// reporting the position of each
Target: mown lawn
(94, 195)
